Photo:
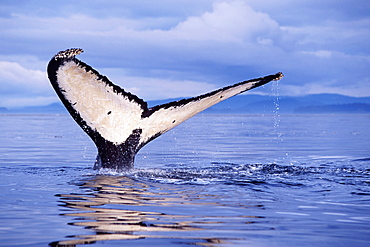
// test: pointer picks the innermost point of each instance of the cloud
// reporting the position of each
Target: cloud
(228, 26)
(207, 45)
(20, 86)
(20, 78)
(157, 88)
(345, 36)
(235, 22)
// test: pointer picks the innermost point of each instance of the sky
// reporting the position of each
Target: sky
(181, 48)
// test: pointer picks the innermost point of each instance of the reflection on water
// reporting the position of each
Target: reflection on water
(121, 208)
(225, 204)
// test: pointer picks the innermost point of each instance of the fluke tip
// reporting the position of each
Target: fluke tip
(69, 53)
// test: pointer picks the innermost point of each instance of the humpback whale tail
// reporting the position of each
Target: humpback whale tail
(118, 122)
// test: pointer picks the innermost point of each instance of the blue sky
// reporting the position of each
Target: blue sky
(181, 48)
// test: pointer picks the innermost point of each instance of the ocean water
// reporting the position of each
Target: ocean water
(215, 180)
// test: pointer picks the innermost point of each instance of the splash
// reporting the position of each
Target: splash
(248, 174)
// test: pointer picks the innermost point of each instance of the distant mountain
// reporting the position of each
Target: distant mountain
(3, 110)
(336, 108)
(316, 103)
(253, 104)
(55, 108)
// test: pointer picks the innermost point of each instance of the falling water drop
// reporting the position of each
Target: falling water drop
(275, 93)
(277, 116)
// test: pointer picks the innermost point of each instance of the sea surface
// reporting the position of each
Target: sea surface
(215, 180)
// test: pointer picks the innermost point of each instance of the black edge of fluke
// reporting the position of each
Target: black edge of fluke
(120, 156)
(54, 64)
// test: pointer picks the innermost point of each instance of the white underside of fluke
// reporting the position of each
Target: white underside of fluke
(114, 115)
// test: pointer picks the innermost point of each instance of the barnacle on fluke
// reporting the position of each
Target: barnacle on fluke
(68, 53)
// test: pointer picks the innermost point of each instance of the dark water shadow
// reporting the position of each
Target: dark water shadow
(123, 208)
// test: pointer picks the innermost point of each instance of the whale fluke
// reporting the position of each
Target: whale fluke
(118, 122)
